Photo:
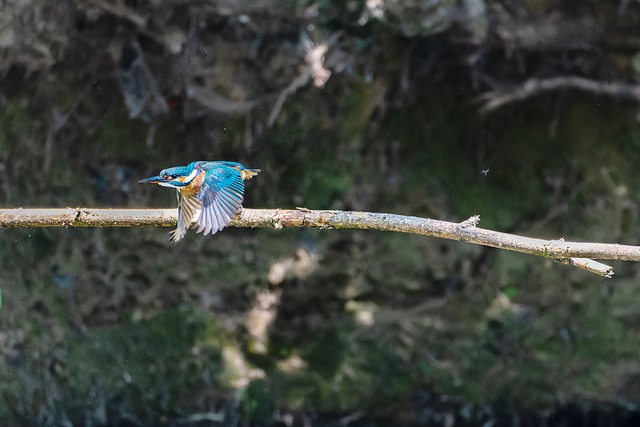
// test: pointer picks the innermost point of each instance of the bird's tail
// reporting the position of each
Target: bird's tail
(249, 173)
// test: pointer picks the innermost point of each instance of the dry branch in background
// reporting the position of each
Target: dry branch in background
(494, 100)
(581, 255)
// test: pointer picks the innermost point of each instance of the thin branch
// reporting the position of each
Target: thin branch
(314, 70)
(87, 217)
(533, 87)
(120, 10)
(296, 84)
(580, 255)
(218, 103)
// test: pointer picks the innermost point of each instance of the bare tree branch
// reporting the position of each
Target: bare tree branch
(494, 100)
(573, 253)
(120, 10)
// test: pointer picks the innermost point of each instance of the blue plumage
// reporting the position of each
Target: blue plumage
(210, 194)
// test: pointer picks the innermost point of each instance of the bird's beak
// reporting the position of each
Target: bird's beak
(154, 180)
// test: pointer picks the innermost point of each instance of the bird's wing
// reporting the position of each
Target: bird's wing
(221, 196)
(188, 207)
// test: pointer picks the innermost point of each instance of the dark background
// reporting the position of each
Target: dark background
(377, 105)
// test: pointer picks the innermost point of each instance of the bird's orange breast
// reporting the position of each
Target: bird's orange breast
(194, 186)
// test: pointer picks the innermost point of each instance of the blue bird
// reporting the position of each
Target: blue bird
(210, 194)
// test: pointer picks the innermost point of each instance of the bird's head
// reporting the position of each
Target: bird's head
(176, 177)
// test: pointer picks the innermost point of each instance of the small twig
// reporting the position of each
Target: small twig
(592, 266)
(122, 11)
(218, 103)
(313, 70)
(296, 84)
(216, 417)
(533, 87)
(578, 254)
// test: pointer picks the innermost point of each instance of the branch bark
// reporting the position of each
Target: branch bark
(494, 100)
(579, 254)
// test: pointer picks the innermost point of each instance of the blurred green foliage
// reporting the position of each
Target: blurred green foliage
(101, 326)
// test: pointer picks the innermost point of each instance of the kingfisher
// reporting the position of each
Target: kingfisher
(210, 194)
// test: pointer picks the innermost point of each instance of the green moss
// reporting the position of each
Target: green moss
(322, 361)
(116, 134)
(345, 370)
(148, 365)
(14, 125)
(406, 272)
(257, 401)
